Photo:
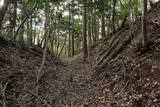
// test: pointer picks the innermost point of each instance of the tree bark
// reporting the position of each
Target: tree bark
(70, 33)
(103, 25)
(12, 19)
(94, 24)
(113, 15)
(30, 31)
(85, 50)
(72, 43)
(144, 25)
(65, 41)
(89, 34)
(72, 22)
(102, 21)
(23, 21)
(3, 11)
(22, 28)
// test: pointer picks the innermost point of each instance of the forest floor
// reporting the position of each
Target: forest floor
(69, 82)
(118, 74)
(66, 82)
(80, 87)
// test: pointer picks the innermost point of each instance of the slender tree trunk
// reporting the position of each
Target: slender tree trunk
(3, 11)
(72, 22)
(55, 36)
(46, 23)
(53, 39)
(103, 25)
(72, 44)
(144, 25)
(89, 37)
(60, 52)
(34, 40)
(38, 37)
(21, 34)
(58, 44)
(12, 19)
(31, 32)
(109, 24)
(70, 33)
(102, 21)
(92, 27)
(23, 21)
(94, 24)
(113, 15)
(47, 33)
(36, 33)
(129, 11)
(85, 50)
(69, 45)
(28, 32)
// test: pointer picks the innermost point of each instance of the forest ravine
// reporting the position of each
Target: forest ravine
(84, 53)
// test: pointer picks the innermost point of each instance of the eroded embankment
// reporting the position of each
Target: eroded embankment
(128, 75)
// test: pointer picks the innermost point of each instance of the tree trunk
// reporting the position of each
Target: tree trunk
(103, 25)
(24, 20)
(60, 52)
(72, 44)
(129, 12)
(102, 21)
(21, 34)
(30, 31)
(58, 44)
(70, 33)
(109, 24)
(94, 24)
(3, 11)
(85, 50)
(72, 22)
(12, 19)
(89, 37)
(69, 44)
(144, 25)
(113, 15)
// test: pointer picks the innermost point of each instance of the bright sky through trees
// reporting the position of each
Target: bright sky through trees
(1, 2)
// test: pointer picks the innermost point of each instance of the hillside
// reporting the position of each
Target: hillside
(130, 76)
(118, 72)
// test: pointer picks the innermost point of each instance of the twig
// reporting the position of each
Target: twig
(42, 100)
(125, 85)
(2, 92)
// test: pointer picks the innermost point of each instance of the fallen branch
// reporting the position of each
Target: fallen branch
(115, 49)
(39, 98)
(112, 45)
(125, 85)
(3, 87)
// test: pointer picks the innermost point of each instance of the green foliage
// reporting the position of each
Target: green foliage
(61, 27)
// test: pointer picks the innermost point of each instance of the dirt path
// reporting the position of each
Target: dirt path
(65, 84)
(81, 92)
